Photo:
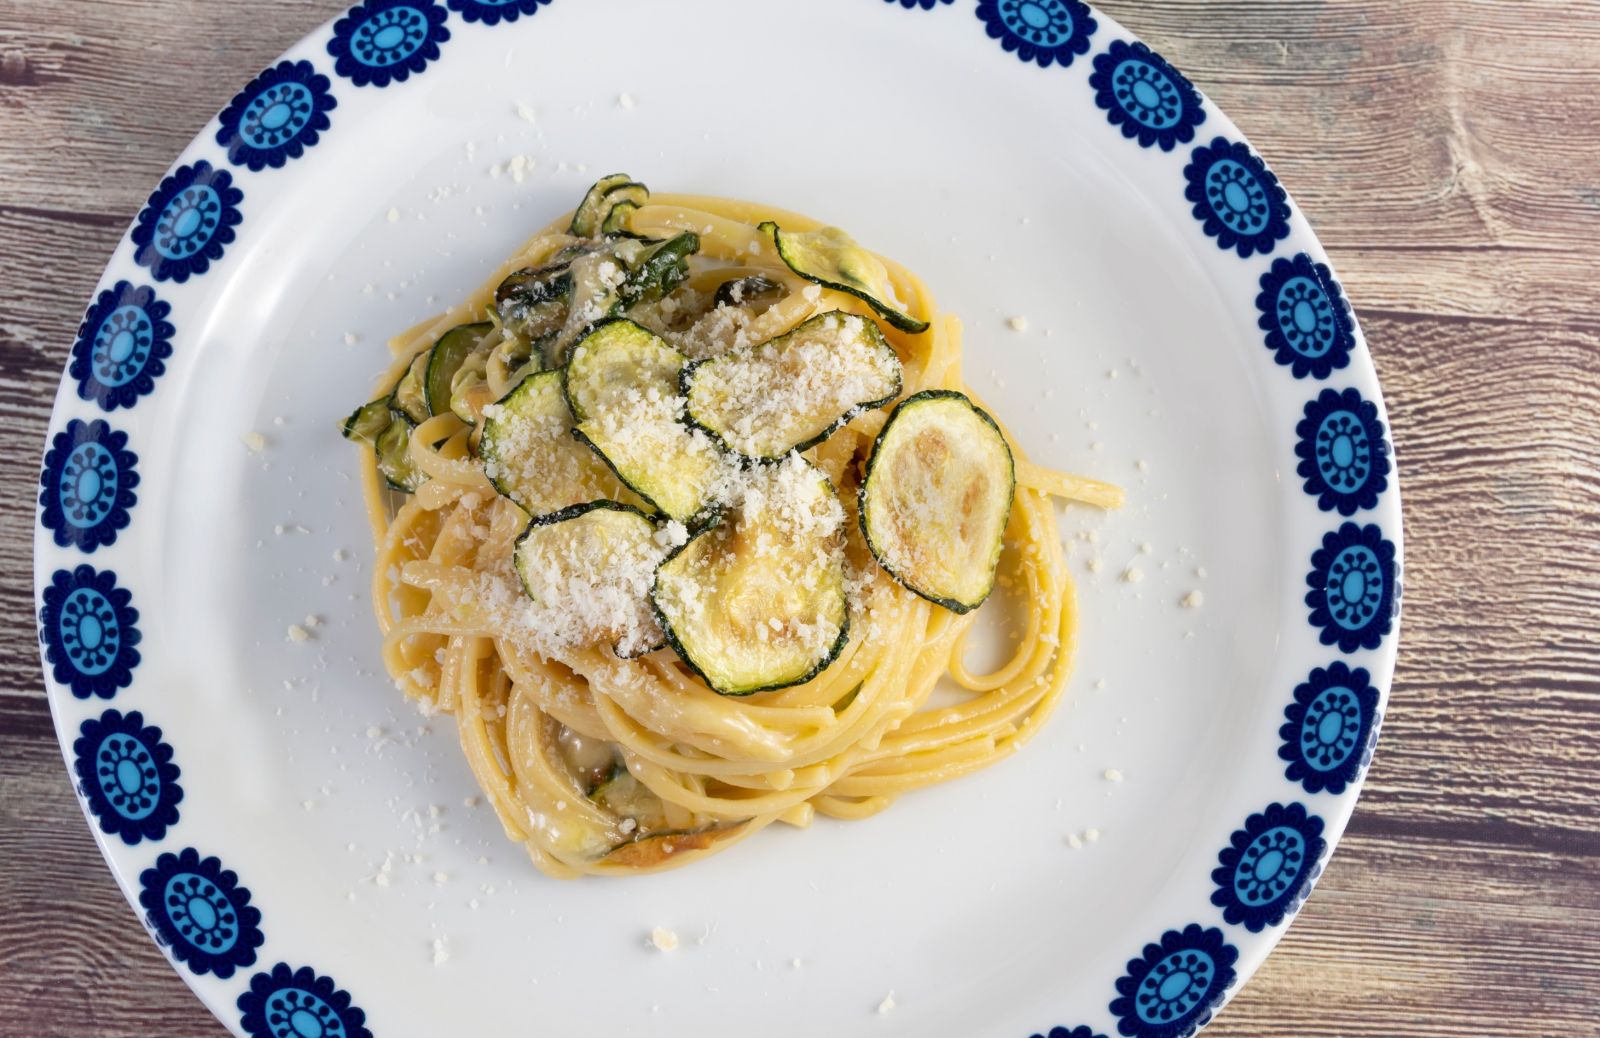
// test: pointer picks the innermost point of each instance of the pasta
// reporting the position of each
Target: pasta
(549, 729)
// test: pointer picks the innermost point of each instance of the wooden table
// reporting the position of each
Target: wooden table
(1448, 151)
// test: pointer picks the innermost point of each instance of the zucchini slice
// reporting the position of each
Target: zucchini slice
(588, 570)
(620, 219)
(622, 385)
(394, 455)
(756, 600)
(832, 259)
(655, 850)
(657, 271)
(753, 290)
(607, 193)
(530, 455)
(793, 392)
(626, 797)
(410, 395)
(446, 358)
(937, 496)
(367, 422)
(532, 303)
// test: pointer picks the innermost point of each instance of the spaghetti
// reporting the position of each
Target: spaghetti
(601, 764)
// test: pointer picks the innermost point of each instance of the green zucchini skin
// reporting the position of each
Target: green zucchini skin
(591, 212)
(542, 392)
(618, 219)
(409, 396)
(695, 520)
(394, 458)
(634, 485)
(837, 278)
(388, 431)
(751, 289)
(657, 273)
(648, 481)
(864, 491)
(536, 304)
(446, 358)
(561, 515)
(687, 377)
(568, 514)
(607, 326)
(624, 796)
(532, 303)
(367, 422)
(688, 661)
(680, 641)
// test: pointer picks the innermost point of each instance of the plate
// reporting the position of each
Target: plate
(305, 846)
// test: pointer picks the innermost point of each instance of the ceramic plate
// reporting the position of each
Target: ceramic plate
(303, 844)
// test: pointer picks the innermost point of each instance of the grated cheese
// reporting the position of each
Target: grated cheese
(585, 584)
(664, 939)
(791, 390)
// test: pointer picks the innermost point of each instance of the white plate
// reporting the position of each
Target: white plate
(999, 173)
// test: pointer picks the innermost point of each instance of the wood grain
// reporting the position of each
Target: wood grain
(1448, 151)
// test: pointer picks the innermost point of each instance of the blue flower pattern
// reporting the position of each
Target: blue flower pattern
(1173, 989)
(87, 626)
(290, 1003)
(198, 908)
(1046, 32)
(387, 41)
(1308, 323)
(1353, 589)
(493, 12)
(1236, 198)
(188, 222)
(125, 770)
(88, 480)
(126, 775)
(277, 116)
(122, 346)
(1344, 457)
(1149, 99)
(1268, 867)
(1330, 728)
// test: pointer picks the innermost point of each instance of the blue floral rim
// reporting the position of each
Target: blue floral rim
(128, 775)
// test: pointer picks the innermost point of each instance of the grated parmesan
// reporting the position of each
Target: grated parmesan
(793, 389)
